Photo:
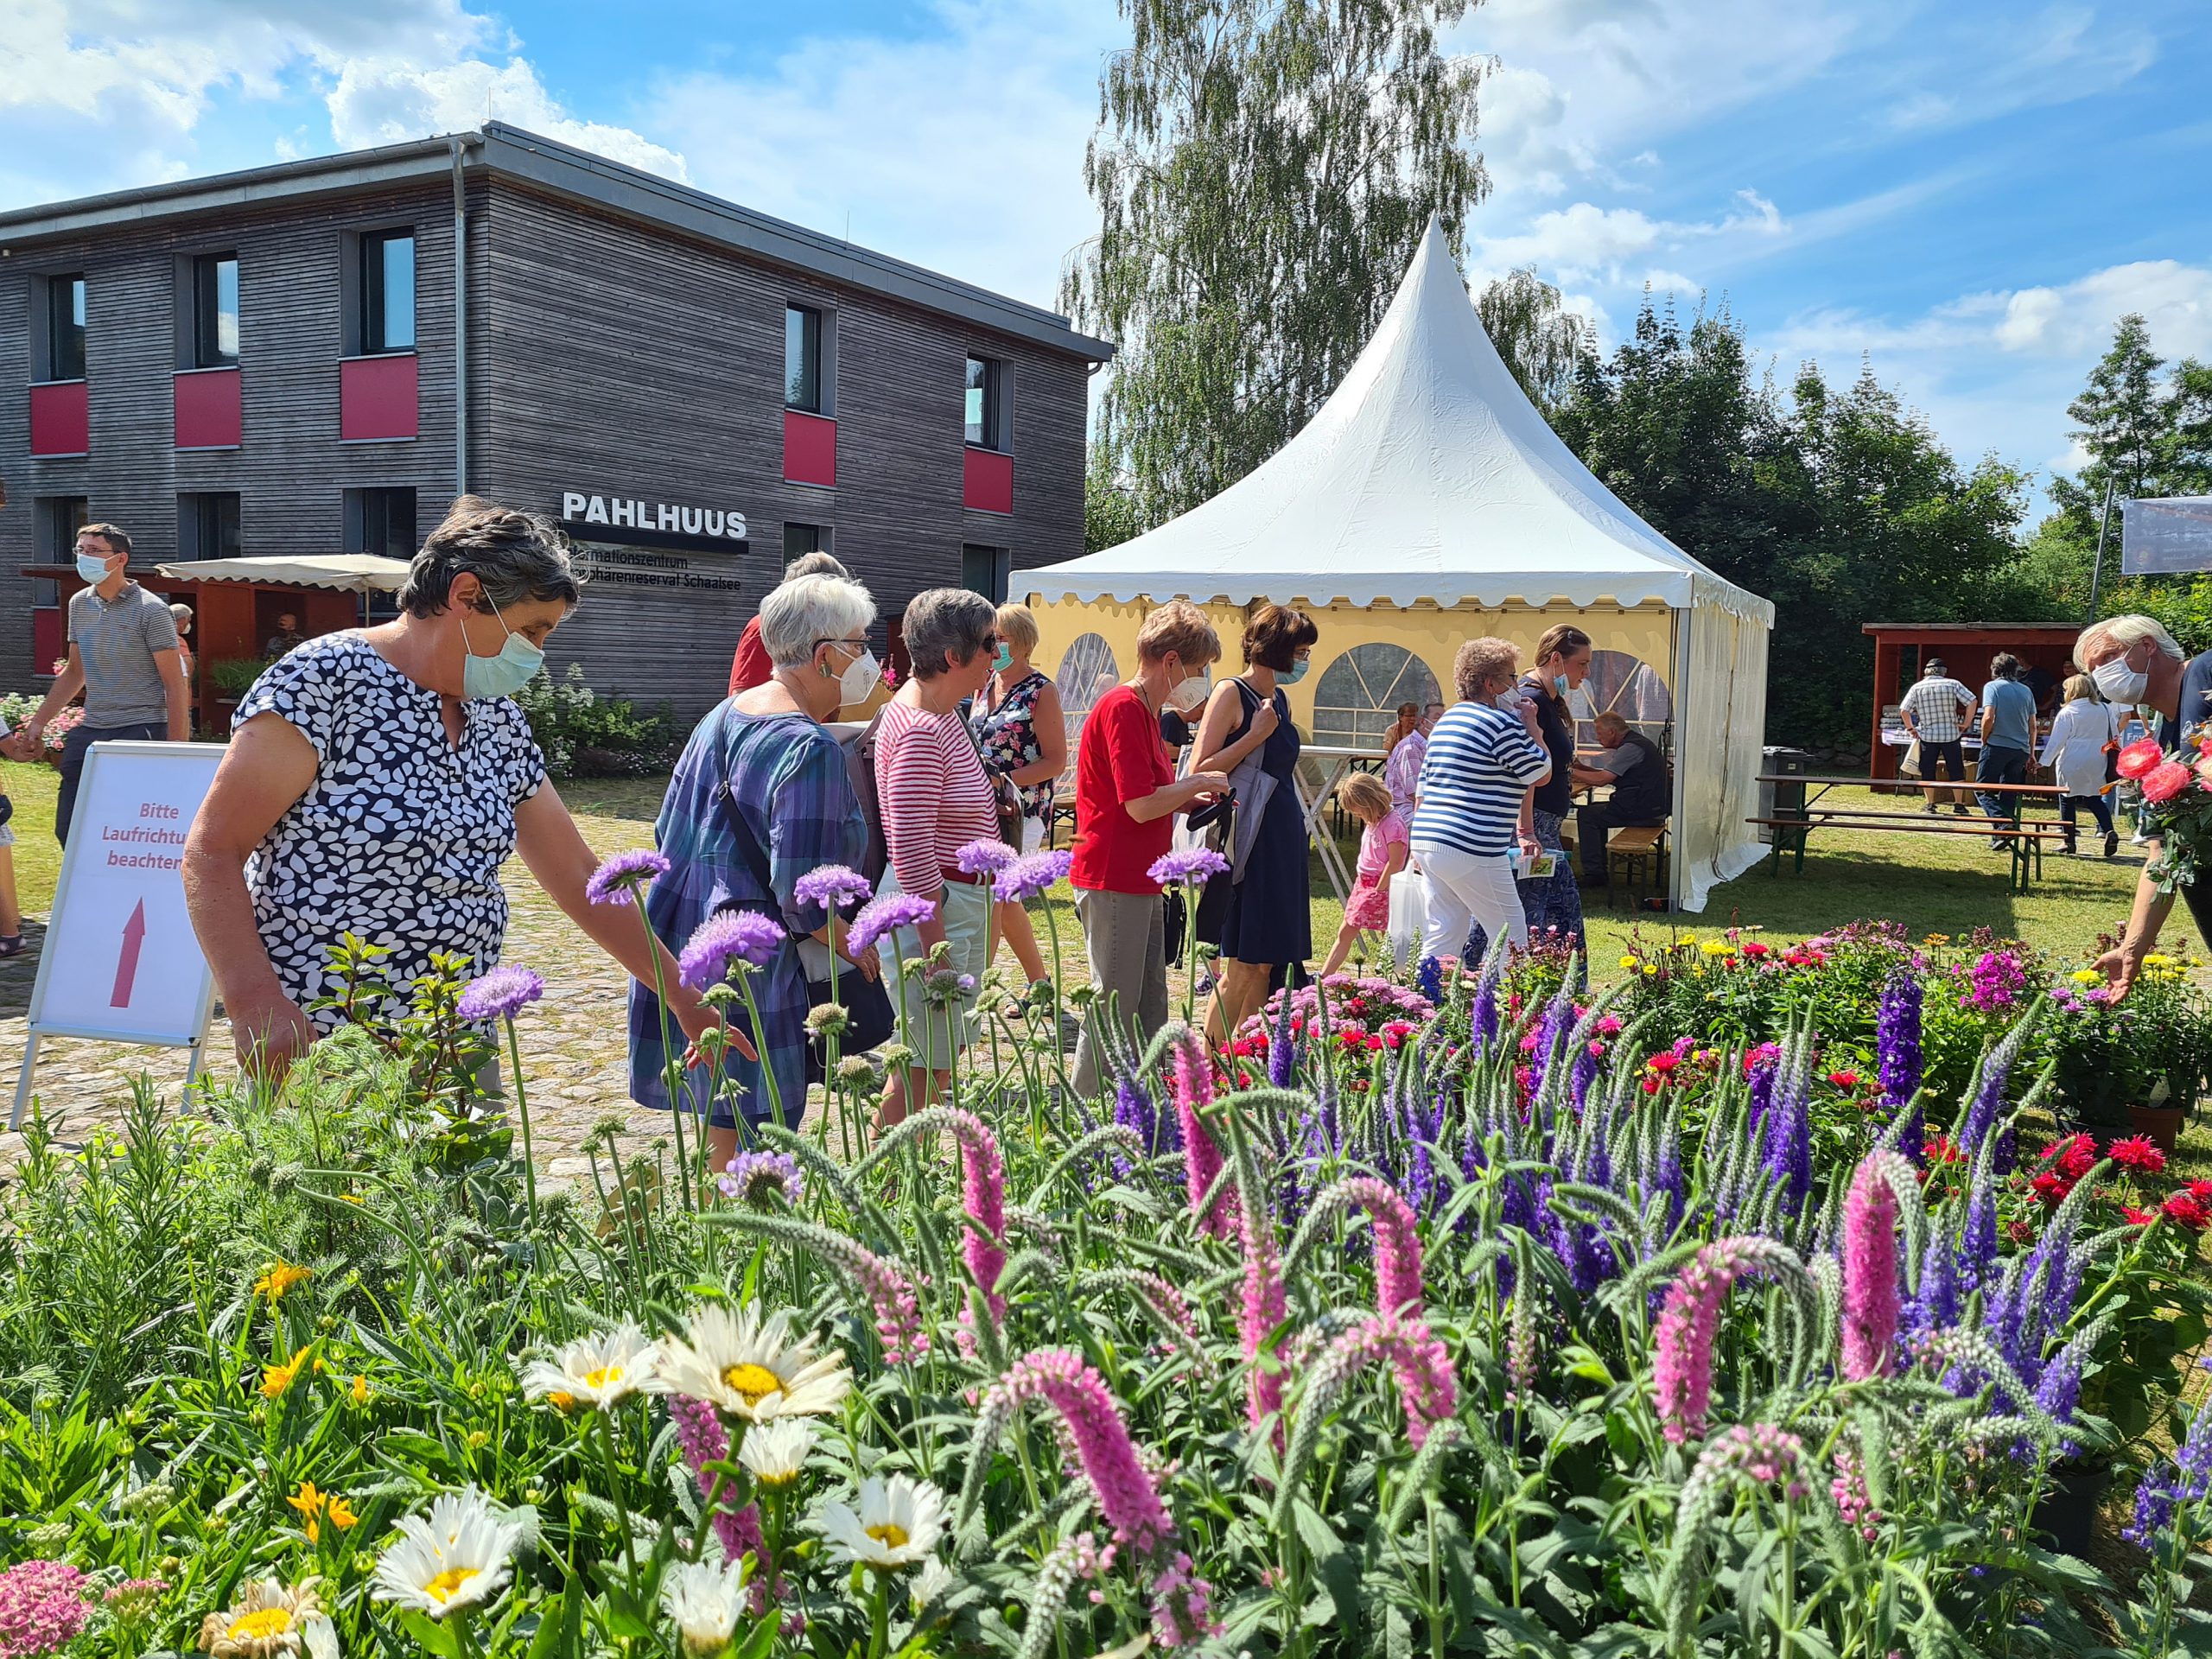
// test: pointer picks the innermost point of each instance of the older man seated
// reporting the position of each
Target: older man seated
(1642, 794)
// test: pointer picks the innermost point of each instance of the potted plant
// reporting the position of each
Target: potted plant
(57, 732)
(2137, 1065)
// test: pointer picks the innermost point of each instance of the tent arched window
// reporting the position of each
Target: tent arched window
(1630, 687)
(1088, 672)
(1358, 697)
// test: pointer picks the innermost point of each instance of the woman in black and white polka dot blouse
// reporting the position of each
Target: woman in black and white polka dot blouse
(378, 780)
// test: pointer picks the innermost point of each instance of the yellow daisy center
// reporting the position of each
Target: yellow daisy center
(605, 1376)
(260, 1626)
(447, 1584)
(561, 1400)
(777, 1476)
(889, 1534)
(754, 1382)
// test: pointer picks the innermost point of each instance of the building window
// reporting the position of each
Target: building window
(388, 291)
(61, 516)
(799, 539)
(208, 524)
(381, 522)
(802, 358)
(215, 311)
(985, 410)
(985, 571)
(65, 327)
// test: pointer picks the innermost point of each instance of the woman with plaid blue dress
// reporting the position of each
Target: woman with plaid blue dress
(762, 790)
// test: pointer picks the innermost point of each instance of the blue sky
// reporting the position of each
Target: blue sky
(1966, 194)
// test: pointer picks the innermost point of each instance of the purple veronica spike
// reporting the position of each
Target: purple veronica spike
(728, 936)
(1193, 866)
(501, 994)
(1133, 1110)
(1429, 975)
(986, 857)
(882, 916)
(617, 880)
(1282, 1050)
(832, 886)
(1032, 876)
(2185, 1481)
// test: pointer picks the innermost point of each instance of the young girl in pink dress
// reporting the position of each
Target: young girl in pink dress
(1382, 848)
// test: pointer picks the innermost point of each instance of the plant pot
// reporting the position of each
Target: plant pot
(2161, 1123)
(2067, 1513)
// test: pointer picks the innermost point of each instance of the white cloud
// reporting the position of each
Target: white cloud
(2063, 53)
(960, 149)
(381, 100)
(2175, 299)
(1587, 243)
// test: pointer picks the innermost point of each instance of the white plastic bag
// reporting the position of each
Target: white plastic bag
(1409, 917)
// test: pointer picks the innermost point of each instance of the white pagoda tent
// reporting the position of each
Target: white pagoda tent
(1426, 503)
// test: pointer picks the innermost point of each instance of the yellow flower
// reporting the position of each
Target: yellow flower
(1629, 963)
(2087, 976)
(351, 1198)
(2159, 959)
(279, 1279)
(478, 1439)
(341, 1514)
(359, 1391)
(1715, 948)
(275, 1379)
(1649, 969)
(310, 1503)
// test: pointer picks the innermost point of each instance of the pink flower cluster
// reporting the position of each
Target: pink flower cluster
(1397, 1246)
(1689, 1322)
(1191, 1078)
(898, 1313)
(1428, 1386)
(1182, 1606)
(42, 1608)
(1869, 1266)
(1261, 1307)
(1127, 1498)
(1762, 1453)
(1853, 1501)
(700, 1433)
(983, 1195)
(1995, 983)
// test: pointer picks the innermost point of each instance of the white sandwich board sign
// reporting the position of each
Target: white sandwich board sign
(120, 963)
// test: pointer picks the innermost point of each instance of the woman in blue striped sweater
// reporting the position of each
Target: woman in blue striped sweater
(1486, 750)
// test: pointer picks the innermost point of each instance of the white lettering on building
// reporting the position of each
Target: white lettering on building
(577, 507)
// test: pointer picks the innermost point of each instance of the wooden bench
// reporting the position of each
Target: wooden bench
(2024, 842)
(1633, 848)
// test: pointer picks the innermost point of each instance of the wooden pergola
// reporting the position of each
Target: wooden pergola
(1901, 649)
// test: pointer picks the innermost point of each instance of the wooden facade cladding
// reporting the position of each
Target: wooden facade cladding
(609, 355)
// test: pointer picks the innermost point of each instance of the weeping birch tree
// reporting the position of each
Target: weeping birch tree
(1263, 169)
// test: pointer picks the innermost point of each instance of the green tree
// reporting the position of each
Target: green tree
(1543, 343)
(1259, 164)
(1110, 514)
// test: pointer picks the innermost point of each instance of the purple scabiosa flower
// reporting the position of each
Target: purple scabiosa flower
(1190, 866)
(760, 1177)
(726, 936)
(1870, 1267)
(985, 857)
(619, 877)
(886, 915)
(832, 886)
(501, 994)
(1032, 876)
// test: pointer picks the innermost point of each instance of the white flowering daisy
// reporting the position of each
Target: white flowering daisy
(751, 1368)
(594, 1371)
(775, 1452)
(706, 1600)
(933, 1581)
(457, 1557)
(321, 1636)
(897, 1523)
(267, 1622)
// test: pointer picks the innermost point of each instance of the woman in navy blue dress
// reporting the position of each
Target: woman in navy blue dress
(1268, 925)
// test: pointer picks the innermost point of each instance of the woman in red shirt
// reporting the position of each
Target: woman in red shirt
(1126, 799)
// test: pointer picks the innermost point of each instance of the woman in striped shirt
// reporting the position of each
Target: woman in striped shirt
(935, 799)
(1485, 752)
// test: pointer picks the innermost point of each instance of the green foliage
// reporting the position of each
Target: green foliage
(1257, 164)
(1842, 507)
(584, 735)
(235, 676)
(1545, 345)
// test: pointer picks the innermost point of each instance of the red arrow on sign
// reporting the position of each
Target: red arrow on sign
(126, 965)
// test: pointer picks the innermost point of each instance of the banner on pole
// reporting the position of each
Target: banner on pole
(2166, 536)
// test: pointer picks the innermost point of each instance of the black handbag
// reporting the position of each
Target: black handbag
(869, 1019)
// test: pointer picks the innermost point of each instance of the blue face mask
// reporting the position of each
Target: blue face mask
(1297, 667)
(1559, 686)
(93, 569)
(504, 675)
(1004, 660)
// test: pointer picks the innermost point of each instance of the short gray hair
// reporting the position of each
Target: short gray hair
(2126, 632)
(816, 563)
(518, 556)
(801, 613)
(946, 621)
(182, 611)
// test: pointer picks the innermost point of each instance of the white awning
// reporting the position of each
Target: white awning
(349, 573)
(1427, 475)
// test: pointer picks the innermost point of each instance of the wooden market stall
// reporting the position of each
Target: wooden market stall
(1901, 649)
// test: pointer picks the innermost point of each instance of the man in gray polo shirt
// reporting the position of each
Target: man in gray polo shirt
(122, 655)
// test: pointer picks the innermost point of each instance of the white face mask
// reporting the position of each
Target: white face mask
(2120, 683)
(1191, 692)
(1508, 700)
(858, 678)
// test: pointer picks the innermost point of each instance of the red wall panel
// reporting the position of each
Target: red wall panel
(377, 399)
(986, 481)
(208, 411)
(49, 641)
(60, 419)
(809, 449)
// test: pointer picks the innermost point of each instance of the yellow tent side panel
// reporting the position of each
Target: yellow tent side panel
(1429, 632)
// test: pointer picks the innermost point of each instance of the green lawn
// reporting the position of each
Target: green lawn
(1933, 884)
